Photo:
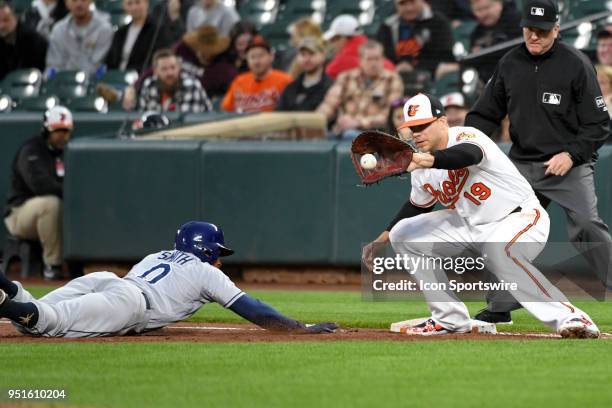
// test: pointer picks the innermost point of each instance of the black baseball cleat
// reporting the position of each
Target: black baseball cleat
(3, 297)
(493, 317)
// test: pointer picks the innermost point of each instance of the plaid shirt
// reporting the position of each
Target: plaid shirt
(190, 97)
(366, 100)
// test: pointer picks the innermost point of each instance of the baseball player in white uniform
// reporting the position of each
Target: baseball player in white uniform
(163, 288)
(490, 210)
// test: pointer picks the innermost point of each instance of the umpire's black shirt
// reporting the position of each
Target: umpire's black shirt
(553, 100)
(34, 172)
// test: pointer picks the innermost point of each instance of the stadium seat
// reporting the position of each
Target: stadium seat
(462, 32)
(260, 12)
(20, 5)
(22, 83)
(67, 83)
(38, 104)
(110, 6)
(119, 79)
(89, 103)
(449, 82)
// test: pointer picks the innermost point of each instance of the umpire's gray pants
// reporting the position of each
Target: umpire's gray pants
(575, 193)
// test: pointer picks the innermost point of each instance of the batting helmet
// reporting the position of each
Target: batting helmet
(203, 239)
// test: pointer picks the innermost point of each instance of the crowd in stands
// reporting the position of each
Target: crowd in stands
(199, 56)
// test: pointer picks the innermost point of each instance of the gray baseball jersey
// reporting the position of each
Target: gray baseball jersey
(177, 284)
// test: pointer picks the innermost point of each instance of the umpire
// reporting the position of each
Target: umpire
(558, 120)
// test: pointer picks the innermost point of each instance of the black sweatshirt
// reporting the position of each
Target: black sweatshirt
(456, 157)
(34, 172)
(554, 103)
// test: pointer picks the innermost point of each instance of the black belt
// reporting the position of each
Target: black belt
(517, 209)
(147, 303)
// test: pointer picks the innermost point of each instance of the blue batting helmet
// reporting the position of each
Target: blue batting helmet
(203, 239)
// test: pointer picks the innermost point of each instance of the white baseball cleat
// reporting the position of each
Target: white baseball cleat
(581, 328)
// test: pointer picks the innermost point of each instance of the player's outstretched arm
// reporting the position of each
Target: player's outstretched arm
(269, 318)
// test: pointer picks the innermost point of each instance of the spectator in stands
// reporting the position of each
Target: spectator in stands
(34, 204)
(360, 98)
(300, 29)
(604, 46)
(454, 105)
(170, 89)
(498, 21)
(258, 90)
(134, 43)
(240, 37)
(345, 37)
(79, 41)
(604, 77)
(20, 47)
(214, 13)
(42, 15)
(203, 54)
(415, 37)
(311, 86)
(171, 17)
(396, 116)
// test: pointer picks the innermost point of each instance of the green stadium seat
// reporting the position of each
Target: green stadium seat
(20, 5)
(119, 79)
(28, 76)
(449, 82)
(38, 104)
(89, 103)
(462, 32)
(120, 19)
(21, 84)
(110, 6)
(67, 83)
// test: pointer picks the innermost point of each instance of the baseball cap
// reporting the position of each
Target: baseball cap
(311, 43)
(605, 32)
(542, 14)
(259, 41)
(344, 25)
(453, 99)
(58, 117)
(421, 109)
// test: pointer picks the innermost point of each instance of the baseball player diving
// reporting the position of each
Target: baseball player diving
(164, 288)
(491, 210)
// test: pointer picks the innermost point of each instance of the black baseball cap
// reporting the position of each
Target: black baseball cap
(259, 41)
(605, 32)
(542, 14)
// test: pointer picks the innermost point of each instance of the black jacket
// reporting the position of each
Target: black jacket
(139, 56)
(434, 34)
(29, 51)
(34, 172)
(296, 97)
(554, 103)
(507, 28)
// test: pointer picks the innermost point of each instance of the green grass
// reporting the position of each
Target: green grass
(303, 374)
(457, 373)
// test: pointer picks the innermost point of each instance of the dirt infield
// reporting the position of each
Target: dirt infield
(246, 333)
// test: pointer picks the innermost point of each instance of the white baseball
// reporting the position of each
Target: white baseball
(368, 161)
